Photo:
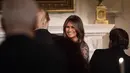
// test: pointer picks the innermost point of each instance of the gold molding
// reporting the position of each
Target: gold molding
(70, 6)
(65, 6)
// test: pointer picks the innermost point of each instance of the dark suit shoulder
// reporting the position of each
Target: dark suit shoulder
(98, 51)
(108, 50)
(30, 55)
(104, 59)
(43, 36)
(100, 54)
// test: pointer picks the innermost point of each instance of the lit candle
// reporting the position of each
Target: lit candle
(121, 63)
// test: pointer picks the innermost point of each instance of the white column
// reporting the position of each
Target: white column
(94, 36)
(94, 41)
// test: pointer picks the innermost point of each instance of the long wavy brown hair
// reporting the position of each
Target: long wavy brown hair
(78, 25)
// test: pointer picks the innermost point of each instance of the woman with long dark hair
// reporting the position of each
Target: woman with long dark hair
(73, 29)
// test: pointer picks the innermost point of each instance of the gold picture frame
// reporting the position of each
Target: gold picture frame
(55, 5)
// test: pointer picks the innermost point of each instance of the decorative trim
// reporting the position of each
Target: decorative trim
(55, 5)
(58, 5)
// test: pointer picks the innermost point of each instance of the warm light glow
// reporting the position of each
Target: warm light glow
(121, 60)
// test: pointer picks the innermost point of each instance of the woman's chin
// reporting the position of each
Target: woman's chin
(70, 36)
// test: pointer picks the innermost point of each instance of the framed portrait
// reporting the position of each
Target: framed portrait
(55, 5)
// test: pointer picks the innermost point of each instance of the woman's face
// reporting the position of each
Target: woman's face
(70, 31)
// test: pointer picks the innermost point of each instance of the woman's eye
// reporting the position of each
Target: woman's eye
(67, 26)
(72, 26)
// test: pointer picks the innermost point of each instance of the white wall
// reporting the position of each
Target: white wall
(123, 19)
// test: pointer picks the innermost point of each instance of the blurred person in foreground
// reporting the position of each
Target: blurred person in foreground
(19, 52)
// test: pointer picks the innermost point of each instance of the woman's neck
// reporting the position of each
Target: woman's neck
(75, 39)
(127, 51)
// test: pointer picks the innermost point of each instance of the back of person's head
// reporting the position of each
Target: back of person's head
(47, 16)
(46, 12)
(18, 15)
(42, 19)
(119, 39)
(78, 26)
